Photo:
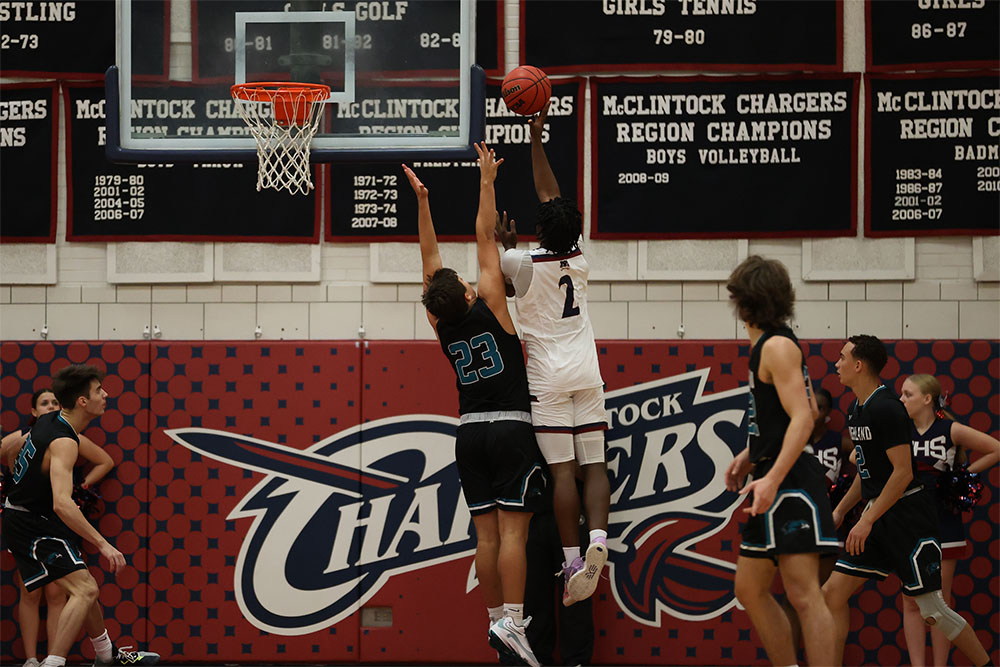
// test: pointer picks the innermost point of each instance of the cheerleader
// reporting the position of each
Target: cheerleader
(939, 444)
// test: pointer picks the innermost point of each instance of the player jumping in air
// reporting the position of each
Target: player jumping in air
(498, 461)
(567, 391)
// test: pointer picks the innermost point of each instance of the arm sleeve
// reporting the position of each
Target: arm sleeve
(516, 267)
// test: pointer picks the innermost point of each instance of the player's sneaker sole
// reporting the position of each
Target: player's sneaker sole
(583, 584)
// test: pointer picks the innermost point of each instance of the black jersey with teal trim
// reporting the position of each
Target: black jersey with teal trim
(767, 420)
(488, 362)
(933, 451)
(31, 487)
(877, 425)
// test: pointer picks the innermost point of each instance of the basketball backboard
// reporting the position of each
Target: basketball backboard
(401, 72)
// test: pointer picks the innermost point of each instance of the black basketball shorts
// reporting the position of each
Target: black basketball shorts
(799, 520)
(44, 549)
(500, 466)
(904, 542)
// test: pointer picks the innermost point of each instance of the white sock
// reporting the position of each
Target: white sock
(594, 534)
(496, 613)
(53, 661)
(102, 646)
(570, 554)
(516, 613)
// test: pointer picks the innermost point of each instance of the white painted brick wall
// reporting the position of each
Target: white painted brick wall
(942, 301)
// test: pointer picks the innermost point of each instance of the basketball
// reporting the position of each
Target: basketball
(525, 90)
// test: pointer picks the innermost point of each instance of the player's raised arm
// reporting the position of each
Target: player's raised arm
(491, 280)
(429, 255)
(546, 186)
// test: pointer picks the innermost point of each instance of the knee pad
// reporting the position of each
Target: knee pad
(937, 613)
(589, 447)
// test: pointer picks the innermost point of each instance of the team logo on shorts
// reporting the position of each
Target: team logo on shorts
(334, 522)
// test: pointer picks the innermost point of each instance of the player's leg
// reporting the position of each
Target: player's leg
(753, 589)
(837, 591)
(472, 458)
(938, 614)
(941, 647)
(487, 553)
(55, 600)
(552, 417)
(510, 631)
(915, 632)
(800, 576)
(27, 619)
(81, 610)
(590, 425)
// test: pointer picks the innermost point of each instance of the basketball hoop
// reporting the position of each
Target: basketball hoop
(283, 118)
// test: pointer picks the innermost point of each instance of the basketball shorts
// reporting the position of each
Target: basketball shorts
(500, 467)
(903, 541)
(570, 425)
(953, 542)
(44, 549)
(799, 520)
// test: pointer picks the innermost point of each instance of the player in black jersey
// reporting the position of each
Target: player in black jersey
(790, 523)
(501, 469)
(43, 527)
(897, 532)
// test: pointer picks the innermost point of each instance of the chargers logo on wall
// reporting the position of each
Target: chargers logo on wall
(334, 522)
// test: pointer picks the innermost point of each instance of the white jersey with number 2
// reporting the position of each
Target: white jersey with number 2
(551, 299)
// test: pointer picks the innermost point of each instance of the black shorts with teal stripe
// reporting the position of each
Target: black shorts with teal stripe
(798, 521)
(500, 466)
(904, 542)
(44, 549)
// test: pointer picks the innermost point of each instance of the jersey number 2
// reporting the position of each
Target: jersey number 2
(569, 310)
(862, 470)
(465, 358)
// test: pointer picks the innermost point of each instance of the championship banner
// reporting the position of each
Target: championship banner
(372, 202)
(683, 35)
(212, 201)
(299, 503)
(724, 157)
(78, 39)
(932, 154)
(931, 34)
(29, 137)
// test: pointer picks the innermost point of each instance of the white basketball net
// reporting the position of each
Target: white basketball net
(283, 126)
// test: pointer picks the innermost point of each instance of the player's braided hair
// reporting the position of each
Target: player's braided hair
(761, 292)
(559, 225)
(74, 381)
(444, 297)
(870, 350)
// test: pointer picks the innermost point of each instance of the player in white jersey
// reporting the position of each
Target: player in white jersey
(567, 391)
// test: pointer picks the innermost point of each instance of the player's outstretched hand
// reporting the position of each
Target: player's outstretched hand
(115, 558)
(764, 490)
(536, 124)
(418, 187)
(506, 232)
(488, 162)
(737, 471)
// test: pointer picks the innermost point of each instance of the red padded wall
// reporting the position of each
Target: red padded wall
(265, 491)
